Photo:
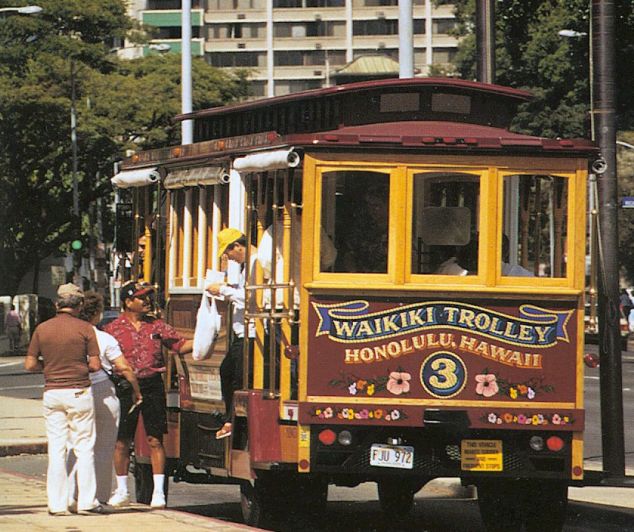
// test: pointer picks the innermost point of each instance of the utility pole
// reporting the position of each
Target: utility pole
(406, 39)
(186, 71)
(609, 345)
(485, 41)
(76, 232)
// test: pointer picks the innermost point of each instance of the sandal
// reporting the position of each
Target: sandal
(224, 432)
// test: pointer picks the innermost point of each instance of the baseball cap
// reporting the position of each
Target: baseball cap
(226, 237)
(69, 289)
(133, 289)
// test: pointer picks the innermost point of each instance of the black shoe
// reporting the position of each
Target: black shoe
(97, 510)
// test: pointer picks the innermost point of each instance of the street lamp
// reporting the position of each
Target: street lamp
(625, 144)
(24, 10)
(574, 34)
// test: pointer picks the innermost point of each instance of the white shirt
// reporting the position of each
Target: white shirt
(236, 294)
(451, 267)
(109, 351)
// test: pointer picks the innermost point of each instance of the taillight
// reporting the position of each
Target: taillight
(555, 444)
(327, 437)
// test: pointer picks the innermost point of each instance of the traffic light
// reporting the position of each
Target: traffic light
(77, 248)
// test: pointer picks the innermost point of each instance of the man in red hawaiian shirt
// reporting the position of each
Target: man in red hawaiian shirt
(141, 338)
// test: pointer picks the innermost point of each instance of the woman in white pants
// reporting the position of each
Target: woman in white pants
(105, 399)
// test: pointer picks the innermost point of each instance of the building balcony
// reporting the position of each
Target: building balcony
(170, 18)
(230, 16)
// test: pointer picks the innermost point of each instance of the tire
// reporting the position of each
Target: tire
(311, 496)
(144, 483)
(550, 495)
(500, 509)
(251, 504)
(396, 497)
(540, 505)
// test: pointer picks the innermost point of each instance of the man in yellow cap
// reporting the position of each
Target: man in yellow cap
(233, 244)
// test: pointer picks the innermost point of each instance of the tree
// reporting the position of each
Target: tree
(120, 106)
(530, 54)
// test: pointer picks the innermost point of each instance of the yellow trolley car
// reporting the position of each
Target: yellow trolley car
(417, 296)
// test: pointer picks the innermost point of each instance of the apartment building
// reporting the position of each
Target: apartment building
(294, 45)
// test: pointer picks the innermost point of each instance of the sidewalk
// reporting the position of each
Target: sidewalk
(22, 425)
(23, 507)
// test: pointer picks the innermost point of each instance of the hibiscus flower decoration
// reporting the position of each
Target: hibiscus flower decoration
(487, 385)
(398, 382)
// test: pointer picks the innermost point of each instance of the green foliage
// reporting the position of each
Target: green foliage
(120, 105)
(530, 54)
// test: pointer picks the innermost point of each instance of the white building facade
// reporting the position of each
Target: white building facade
(294, 45)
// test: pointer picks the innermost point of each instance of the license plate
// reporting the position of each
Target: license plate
(399, 456)
(481, 455)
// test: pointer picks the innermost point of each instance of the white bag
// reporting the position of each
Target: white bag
(207, 327)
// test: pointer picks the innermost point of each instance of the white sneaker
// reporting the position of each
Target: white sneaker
(119, 499)
(158, 501)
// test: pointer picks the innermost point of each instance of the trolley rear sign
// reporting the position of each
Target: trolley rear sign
(442, 349)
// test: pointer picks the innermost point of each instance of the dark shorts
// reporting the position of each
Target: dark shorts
(153, 409)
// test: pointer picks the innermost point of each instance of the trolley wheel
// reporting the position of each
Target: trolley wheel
(311, 495)
(540, 495)
(540, 505)
(144, 483)
(251, 503)
(396, 497)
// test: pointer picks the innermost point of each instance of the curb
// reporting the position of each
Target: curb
(23, 448)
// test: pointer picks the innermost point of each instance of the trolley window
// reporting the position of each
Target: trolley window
(355, 214)
(445, 223)
(535, 227)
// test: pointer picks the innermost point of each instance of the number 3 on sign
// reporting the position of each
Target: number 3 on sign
(443, 374)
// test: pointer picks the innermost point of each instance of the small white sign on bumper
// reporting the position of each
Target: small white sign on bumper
(399, 456)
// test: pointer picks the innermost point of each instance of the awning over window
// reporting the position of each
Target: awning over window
(267, 160)
(135, 178)
(197, 176)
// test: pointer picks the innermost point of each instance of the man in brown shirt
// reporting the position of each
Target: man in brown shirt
(66, 349)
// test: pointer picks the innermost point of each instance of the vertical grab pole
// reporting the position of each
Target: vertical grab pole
(287, 244)
(134, 274)
(258, 349)
(247, 281)
(273, 281)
